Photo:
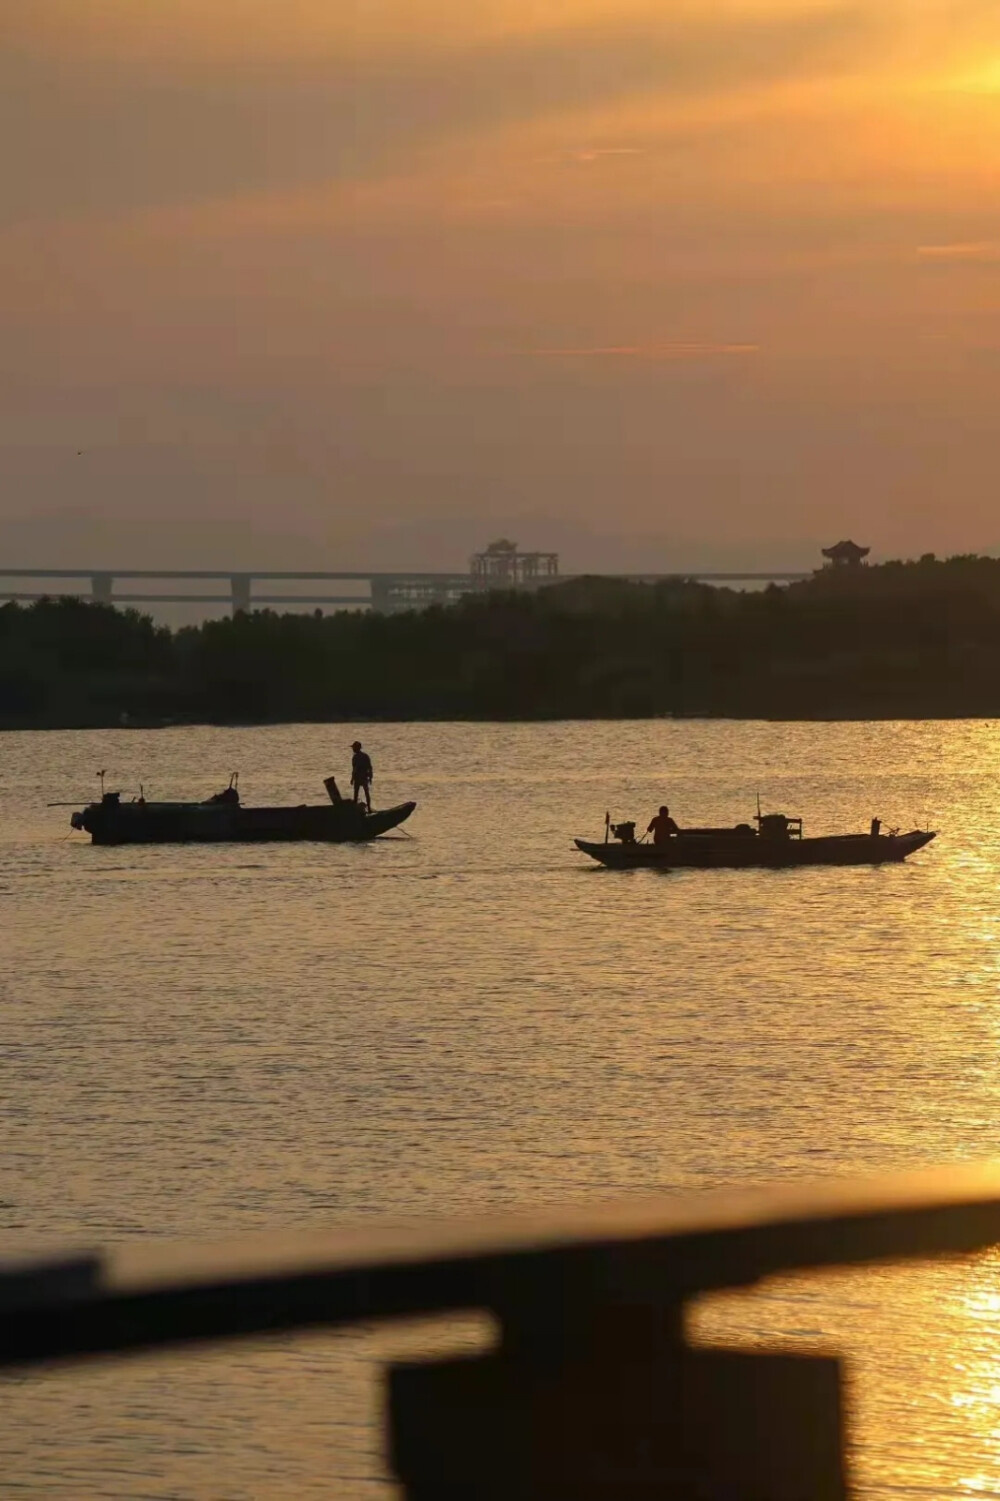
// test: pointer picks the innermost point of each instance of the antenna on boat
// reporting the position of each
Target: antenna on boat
(101, 774)
(607, 826)
(758, 805)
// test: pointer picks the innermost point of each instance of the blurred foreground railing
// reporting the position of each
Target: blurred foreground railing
(592, 1391)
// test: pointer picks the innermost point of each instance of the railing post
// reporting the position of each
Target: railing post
(621, 1410)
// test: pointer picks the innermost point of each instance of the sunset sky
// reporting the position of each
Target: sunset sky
(308, 282)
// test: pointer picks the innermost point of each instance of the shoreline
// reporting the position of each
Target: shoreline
(897, 716)
(891, 642)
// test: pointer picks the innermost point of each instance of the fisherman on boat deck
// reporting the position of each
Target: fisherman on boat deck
(662, 826)
(362, 774)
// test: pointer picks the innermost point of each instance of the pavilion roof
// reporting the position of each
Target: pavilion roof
(846, 549)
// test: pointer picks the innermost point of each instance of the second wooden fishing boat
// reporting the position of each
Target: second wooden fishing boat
(777, 844)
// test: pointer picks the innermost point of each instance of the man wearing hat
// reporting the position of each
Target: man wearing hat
(362, 774)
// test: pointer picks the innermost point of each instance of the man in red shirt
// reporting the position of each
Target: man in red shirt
(662, 826)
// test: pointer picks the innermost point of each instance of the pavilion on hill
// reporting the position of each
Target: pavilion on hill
(846, 554)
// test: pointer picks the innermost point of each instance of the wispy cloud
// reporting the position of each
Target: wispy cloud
(671, 350)
(585, 155)
(110, 134)
(983, 251)
(595, 153)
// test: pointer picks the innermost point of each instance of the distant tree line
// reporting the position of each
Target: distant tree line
(917, 639)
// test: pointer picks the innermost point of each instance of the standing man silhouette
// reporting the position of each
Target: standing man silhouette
(362, 774)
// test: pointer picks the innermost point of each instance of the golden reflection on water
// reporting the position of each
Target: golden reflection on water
(209, 1042)
(921, 1346)
(977, 1369)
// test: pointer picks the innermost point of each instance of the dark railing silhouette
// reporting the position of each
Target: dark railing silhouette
(592, 1390)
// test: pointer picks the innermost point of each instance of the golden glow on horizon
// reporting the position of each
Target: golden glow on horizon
(981, 78)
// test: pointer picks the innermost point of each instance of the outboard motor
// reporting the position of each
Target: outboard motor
(779, 826)
(625, 832)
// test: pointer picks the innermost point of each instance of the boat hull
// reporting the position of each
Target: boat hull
(745, 851)
(214, 823)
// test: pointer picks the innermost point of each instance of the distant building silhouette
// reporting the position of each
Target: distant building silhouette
(501, 566)
(846, 554)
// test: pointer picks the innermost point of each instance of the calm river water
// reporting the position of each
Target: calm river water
(206, 1042)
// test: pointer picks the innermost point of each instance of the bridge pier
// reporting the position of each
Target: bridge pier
(382, 590)
(240, 586)
(102, 588)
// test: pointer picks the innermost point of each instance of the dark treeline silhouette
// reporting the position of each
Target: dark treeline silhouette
(902, 639)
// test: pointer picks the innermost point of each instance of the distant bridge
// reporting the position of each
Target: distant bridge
(386, 592)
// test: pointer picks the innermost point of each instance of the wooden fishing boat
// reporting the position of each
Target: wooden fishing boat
(776, 844)
(223, 819)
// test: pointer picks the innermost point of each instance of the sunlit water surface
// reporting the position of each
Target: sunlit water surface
(206, 1042)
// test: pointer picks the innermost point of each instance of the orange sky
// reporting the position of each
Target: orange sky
(668, 283)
